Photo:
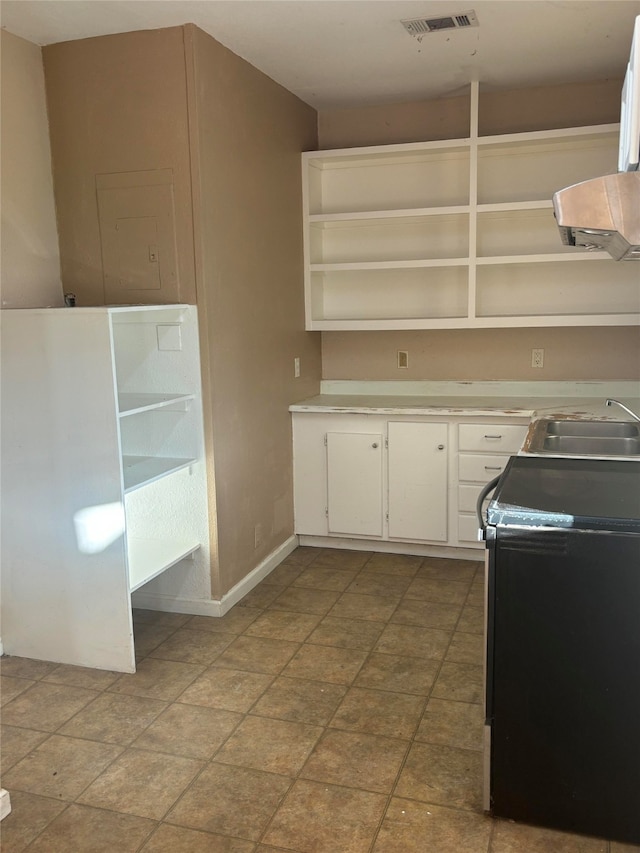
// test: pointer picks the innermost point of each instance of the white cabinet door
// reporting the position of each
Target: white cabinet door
(418, 481)
(354, 483)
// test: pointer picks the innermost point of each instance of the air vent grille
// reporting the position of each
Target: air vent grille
(419, 27)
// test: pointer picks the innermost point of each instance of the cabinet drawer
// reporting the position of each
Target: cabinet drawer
(504, 438)
(468, 529)
(480, 469)
(468, 496)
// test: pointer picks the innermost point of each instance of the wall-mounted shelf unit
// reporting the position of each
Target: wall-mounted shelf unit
(104, 483)
(458, 234)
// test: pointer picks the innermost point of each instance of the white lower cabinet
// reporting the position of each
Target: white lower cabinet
(103, 476)
(404, 479)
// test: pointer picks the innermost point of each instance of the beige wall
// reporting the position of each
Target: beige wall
(117, 104)
(250, 133)
(30, 260)
(570, 353)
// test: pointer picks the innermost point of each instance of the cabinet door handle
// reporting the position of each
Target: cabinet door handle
(441, 447)
(493, 436)
(374, 445)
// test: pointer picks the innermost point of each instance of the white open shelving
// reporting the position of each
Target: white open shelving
(104, 481)
(458, 234)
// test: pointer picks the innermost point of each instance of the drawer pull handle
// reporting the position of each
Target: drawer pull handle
(493, 436)
(492, 468)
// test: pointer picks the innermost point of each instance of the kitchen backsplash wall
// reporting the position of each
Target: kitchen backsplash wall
(570, 353)
(482, 354)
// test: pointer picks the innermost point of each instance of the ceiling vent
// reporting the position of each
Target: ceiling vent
(419, 27)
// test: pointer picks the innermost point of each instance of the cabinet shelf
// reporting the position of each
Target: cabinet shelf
(133, 404)
(148, 558)
(138, 471)
(457, 234)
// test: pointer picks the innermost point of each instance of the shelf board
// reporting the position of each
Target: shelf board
(148, 558)
(478, 322)
(133, 404)
(515, 206)
(542, 258)
(399, 213)
(390, 265)
(138, 471)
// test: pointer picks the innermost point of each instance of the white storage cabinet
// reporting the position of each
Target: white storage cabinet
(103, 477)
(458, 234)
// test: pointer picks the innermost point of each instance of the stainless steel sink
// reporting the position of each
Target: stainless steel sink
(585, 438)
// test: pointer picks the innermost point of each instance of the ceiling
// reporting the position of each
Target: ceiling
(341, 53)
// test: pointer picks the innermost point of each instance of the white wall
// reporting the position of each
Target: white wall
(30, 258)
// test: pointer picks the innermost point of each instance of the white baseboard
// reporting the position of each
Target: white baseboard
(412, 548)
(5, 803)
(217, 607)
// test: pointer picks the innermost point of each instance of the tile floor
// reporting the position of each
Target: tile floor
(335, 710)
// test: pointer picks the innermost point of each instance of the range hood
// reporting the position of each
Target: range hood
(603, 213)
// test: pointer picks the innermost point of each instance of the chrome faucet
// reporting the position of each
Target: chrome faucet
(622, 406)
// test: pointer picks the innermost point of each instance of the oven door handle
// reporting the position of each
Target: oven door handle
(481, 498)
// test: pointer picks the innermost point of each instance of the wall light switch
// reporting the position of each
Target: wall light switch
(403, 358)
(537, 358)
(296, 368)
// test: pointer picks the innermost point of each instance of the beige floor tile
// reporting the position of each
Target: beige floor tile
(82, 676)
(11, 687)
(226, 689)
(284, 574)
(346, 633)
(374, 583)
(449, 723)
(356, 760)
(620, 847)
(434, 568)
(442, 775)
(302, 556)
(148, 636)
(374, 608)
(476, 595)
(462, 682)
(15, 743)
(46, 706)
(397, 673)
(114, 718)
(29, 815)
(466, 648)
(189, 730)
(413, 641)
(510, 837)
(331, 580)
(233, 622)
(85, 829)
(442, 591)
(411, 827)
(25, 667)
(320, 818)
(257, 654)
(281, 625)
(158, 679)
(376, 712)
(300, 701)
(193, 646)
(158, 617)
(326, 663)
(334, 558)
(276, 746)
(61, 767)
(471, 620)
(142, 783)
(303, 600)
(404, 565)
(177, 839)
(261, 596)
(428, 614)
(228, 800)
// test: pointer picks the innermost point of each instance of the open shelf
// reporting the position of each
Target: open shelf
(148, 558)
(133, 404)
(138, 471)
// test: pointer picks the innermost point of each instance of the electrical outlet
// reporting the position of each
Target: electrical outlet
(296, 368)
(403, 358)
(537, 358)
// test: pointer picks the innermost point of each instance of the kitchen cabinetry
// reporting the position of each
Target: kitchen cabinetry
(458, 234)
(368, 477)
(103, 485)
(397, 479)
(483, 452)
